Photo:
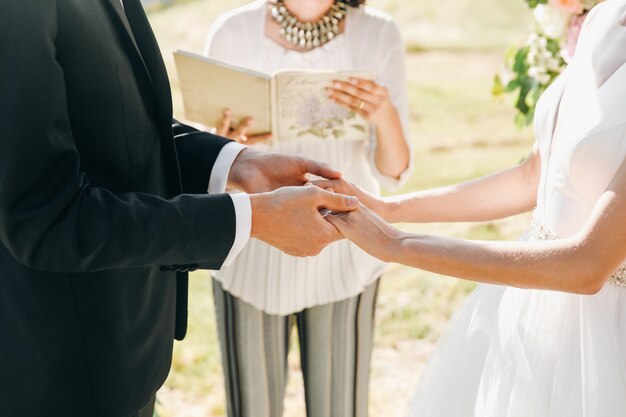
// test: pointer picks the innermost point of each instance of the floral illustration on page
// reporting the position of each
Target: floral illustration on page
(324, 119)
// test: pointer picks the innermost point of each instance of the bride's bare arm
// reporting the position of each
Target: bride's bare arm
(579, 264)
(505, 193)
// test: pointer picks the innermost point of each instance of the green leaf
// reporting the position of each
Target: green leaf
(534, 3)
(498, 88)
(554, 47)
(513, 85)
(359, 128)
(335, 121)
(521, 104)
(338, 133)
(520, 64)
(530, 117)
(533, 96)
(520, 120)
(509, 57)
(317, 132)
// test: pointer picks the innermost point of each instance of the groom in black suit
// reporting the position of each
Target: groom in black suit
(104, 209)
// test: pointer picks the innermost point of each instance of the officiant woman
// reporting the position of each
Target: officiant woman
(330, 298)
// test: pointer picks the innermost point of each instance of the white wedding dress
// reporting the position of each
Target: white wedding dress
(528, 353)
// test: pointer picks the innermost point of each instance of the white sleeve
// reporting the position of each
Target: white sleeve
(219, 42)
(392, 74)
(241, 201)
(219, 174)
(243, 215)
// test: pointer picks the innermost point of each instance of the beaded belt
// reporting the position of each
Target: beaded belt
(540, 232)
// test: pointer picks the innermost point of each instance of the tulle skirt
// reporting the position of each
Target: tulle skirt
(529, 353)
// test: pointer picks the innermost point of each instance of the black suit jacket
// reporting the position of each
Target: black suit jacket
(101, 207)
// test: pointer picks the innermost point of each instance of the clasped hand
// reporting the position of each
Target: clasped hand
(366, 225)
(285, 214)
(289, 216)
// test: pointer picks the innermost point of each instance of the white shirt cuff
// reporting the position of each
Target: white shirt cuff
(219, 174)
(243, 209)
(243, 215)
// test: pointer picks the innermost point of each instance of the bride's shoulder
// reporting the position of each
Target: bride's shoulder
(609, 14)
(599, 65)
(602, 41)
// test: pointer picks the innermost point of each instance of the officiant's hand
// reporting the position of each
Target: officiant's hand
(228, 128)
(291, 218)
(257, 172)
(366, 98)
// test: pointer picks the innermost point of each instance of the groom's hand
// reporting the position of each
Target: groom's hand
(257, 172)
(290, 220)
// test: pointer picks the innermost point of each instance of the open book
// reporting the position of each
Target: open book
(293, 105)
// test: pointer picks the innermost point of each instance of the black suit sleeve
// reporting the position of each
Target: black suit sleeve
(197, 153)
(51, 218)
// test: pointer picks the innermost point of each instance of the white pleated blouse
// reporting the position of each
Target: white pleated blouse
(263, 276)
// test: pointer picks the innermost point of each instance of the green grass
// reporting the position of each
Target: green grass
(458, 131)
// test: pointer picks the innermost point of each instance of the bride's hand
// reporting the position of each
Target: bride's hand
(344, 187)
(370, 232)
(228, 128)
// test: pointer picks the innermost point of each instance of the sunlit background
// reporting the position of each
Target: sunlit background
(459, 132)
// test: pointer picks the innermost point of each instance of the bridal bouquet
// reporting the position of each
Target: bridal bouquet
(530, 68)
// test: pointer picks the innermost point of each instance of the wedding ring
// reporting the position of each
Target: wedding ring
(361, 105)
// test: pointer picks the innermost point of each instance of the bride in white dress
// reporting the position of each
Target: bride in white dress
(545, 335)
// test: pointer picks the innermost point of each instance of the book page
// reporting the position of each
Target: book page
(303, 110)
(209, 86)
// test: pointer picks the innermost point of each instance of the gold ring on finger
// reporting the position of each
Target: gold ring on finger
(361, 105)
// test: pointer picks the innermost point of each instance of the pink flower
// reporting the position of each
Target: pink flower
(573, 32)
(571, 6)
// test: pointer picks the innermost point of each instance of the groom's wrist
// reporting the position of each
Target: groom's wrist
(261, 208)
(242, 167)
